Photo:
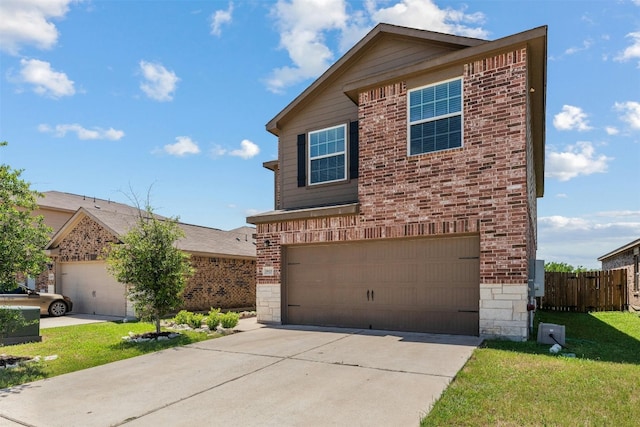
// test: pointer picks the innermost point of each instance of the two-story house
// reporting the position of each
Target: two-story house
(406, 187)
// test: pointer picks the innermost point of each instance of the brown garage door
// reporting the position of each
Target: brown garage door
(422, 285)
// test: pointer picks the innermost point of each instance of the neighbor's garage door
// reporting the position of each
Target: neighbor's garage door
(92, 289)
(422, 285)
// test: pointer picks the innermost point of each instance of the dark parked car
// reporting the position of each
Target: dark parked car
(52, 304)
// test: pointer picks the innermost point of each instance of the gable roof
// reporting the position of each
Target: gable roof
(198, 240)
(631, 245)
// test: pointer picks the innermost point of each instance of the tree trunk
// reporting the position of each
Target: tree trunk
(158, 324)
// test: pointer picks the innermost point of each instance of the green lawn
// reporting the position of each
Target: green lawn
(84, 346)
(522, 384)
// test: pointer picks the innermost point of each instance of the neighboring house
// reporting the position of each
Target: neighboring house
(57, 208)
(626, 257)
(406, 187)
(224, 261)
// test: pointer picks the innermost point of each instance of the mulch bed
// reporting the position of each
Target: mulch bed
(12, 360)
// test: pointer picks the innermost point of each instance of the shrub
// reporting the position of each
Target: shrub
(196, 320)
(182, 318)
(213, 319)
(193, 320)
(229, 320)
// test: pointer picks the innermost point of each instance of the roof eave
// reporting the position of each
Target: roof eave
(220, 255)
(621, 249)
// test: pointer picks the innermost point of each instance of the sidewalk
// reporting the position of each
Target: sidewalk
(246, 324)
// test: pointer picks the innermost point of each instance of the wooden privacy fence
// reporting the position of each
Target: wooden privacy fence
(587, 291)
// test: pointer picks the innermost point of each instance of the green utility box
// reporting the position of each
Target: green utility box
(29, 333)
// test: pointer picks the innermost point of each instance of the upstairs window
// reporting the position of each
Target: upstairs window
(327, 155)
(435, 117)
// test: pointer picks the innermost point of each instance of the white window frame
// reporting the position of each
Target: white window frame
(435, 118)
(342, 153)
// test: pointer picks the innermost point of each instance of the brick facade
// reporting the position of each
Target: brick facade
(483, 188)
(221, 283)
(217, 282)
(88, 241)
(626, 260)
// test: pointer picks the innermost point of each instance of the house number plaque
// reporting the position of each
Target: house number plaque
(267, 271)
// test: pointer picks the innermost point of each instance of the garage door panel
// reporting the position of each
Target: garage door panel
(426, 285)
(315, 315)
(92, 289)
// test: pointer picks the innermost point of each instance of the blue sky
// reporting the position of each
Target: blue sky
(102, 98)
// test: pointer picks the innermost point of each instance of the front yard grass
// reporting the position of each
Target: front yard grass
(84, 346)
(522, 384)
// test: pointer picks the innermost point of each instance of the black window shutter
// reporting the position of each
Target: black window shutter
(353, 149)
(302, 160)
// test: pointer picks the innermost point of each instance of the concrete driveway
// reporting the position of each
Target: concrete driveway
(75, 319)
(267, 376)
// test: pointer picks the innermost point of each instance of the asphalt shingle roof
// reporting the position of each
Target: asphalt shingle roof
(72, 202)
(238, 242)
(198, 239)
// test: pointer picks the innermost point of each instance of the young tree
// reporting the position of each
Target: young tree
(152, 265)
(563, 267)
(22, 236)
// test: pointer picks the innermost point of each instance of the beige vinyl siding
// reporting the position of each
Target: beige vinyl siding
(54, 219)
(330, 107)
(433, 77)
(392, 53)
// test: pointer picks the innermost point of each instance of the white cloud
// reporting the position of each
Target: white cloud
(28, 23)
(305, 25)
(247, 150)
(557, 222)
(630, 113)
(581, 240)
(82, 132)
(633, 51)
(585, 46)
(46, 81)
(219, 18)
(571, 118)
(426, 15)
(183, 146)
(620, 214)
(159, 83)
(578, 159)
(611, 130)
(217, 151)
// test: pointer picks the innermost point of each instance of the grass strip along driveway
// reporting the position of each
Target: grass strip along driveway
(522, 384)
(84, 346)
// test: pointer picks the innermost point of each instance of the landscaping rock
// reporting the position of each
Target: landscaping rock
(9, 362)
(150, 336)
